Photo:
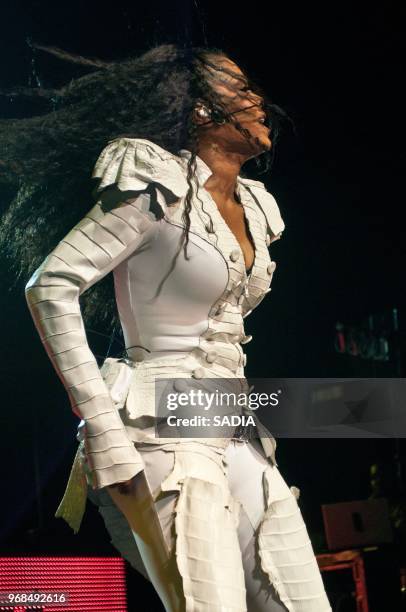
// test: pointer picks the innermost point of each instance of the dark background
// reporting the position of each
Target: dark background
(336, 69)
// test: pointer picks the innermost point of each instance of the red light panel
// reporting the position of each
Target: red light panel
(91, 584)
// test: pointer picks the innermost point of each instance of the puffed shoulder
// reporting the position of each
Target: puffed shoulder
(268, 204)
(133, 163)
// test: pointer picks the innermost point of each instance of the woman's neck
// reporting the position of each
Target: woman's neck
(225, 170)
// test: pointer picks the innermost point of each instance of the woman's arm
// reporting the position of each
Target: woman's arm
(106, 236)
(137, 181)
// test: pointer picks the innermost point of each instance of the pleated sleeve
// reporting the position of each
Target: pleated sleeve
(109, 233)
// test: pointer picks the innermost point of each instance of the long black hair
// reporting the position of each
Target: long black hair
(46, 160)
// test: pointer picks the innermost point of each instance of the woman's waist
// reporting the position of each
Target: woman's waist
(208, 358)
(158, 378)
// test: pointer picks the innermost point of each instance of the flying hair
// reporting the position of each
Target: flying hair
(46, 160)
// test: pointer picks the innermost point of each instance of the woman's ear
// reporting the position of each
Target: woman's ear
(201, 114)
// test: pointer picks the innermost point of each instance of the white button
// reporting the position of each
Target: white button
(295, 491)
(180, 385)
(211, 356)
(244, 360)
(271, 267)
(246, 339)
(198, 373)
(268, 240)
(234, 255)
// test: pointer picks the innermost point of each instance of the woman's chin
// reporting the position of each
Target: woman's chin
(267, 144)
(264, 143)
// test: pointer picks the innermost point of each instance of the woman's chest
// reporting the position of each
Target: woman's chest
(209, 281)
(232, 243)
(235, 218)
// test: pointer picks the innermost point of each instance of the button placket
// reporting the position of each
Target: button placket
(250, 216)
(253, 293)
(225, 241)
(228, 243)
(265, 236)
(216, 238)
(243, 290)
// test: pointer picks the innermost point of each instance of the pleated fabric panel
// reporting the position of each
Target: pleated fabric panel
(109, 233)
(207, 549)
(286, 551)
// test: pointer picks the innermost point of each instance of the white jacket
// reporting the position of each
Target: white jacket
(193, 327)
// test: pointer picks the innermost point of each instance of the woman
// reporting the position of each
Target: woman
(209, 520)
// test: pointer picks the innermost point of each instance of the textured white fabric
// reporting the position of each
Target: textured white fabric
(206, 499)
(181, 321)
(199, 310)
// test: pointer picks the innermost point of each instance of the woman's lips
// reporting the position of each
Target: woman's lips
(263, 125)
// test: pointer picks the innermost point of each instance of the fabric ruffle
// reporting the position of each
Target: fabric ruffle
(73, 504)
(286, 551)
(207, 550)
(268, 205)
(132, 163)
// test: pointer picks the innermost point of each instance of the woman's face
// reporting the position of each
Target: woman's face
(245, 106)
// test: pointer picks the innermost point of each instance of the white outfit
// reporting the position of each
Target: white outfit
(184, 324)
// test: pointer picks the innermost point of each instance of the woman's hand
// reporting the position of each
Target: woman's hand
(133, 497)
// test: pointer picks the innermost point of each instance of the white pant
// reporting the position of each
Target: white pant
(241, 572)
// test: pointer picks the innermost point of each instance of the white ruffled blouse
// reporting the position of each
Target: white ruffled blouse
(188, 323)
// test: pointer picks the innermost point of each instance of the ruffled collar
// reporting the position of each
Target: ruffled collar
(243, 190)
(203, 172)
